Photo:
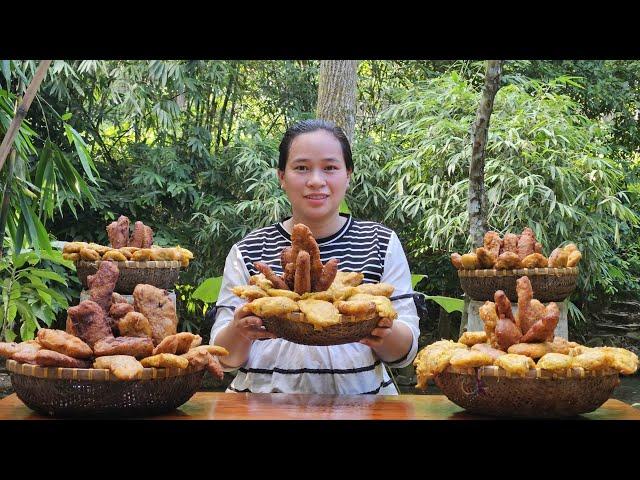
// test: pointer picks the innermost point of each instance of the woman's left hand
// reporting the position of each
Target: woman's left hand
(378, 334)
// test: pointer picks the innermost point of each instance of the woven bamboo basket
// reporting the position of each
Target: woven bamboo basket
(294, 329)
(540, 394)
(92, 392)
(549, 284)
(161, 274)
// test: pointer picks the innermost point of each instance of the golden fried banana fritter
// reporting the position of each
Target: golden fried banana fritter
(489, 317)
(470, 261)
(272, 307)
(515, 364)
(509, 243)
(319, 313)
(352, 279)
(492, 244)
(7, 349)
(555, 361)
(176, 344)
(133, 346)
(526, 243)
(49, 358)
(592, 359)
(358, 308)
(456, 261)
(134, 324)
(250, 292)
(574, 259)
(486, 259)
(558, 258)
(62, 342)
(470, 358)
(165, 360)
(383, 289)
(74, 247)
(383, 304)
(621, 359)
(159, 308)
(141, 255)
(261, 281)
(533, 350)
(89, 255)
(471, 338)
(489, 350)
(114, 255)
(302, 277)
(123, 367)
(535, 260)
(119, 310)
(507, 261)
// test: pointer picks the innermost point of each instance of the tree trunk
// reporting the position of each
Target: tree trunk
(227, 95)
(337, 93)
(477, 196)
(444, 325)
(22, 110)
(6, 197)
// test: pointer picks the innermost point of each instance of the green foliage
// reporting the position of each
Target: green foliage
(605, 89)
(35, 288)
(190, 310)
(43, 178)
(547, 167)
(448, 303)
(208, 290)
(190, 148)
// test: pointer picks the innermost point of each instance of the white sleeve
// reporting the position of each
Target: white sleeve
(397, 273)
(235, 273)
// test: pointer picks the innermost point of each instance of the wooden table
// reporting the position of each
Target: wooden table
(279, 406)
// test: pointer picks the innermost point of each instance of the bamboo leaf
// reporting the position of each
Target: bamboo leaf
(415, 279)
(49, 275)
(6, 70)
(448, 303)
(81, 149)
(208, 290)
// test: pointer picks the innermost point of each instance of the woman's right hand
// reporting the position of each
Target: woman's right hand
(248, 325)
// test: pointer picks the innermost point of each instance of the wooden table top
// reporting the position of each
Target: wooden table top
(280, 406)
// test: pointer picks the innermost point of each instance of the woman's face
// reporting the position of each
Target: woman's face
(316, 177)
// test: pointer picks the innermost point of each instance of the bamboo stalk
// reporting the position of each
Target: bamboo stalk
(30, 94)
(6, 197)
(477, 197)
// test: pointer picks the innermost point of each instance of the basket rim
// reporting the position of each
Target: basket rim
(532, 374)
(130, 264)
(519, 272)
(300, 317)
(93, 374)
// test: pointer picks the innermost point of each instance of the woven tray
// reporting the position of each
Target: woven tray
(161, 274)
(296, 330)
(549, 284)
(89, 392)
(540, 394)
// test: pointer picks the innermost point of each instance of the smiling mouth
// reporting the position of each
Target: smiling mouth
(316, 196)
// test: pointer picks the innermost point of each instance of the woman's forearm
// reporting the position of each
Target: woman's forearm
(236, 344)
(396, 344)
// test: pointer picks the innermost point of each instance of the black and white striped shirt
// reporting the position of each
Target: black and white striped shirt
(277, 365)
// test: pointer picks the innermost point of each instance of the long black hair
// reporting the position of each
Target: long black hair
(307, 126)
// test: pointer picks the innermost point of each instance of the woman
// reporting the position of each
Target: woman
(314, 169)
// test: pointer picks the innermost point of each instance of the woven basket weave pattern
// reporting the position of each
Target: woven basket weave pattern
(549, 284)
(160, 274)
(51, 392)
(305, 334)
(533, 396)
